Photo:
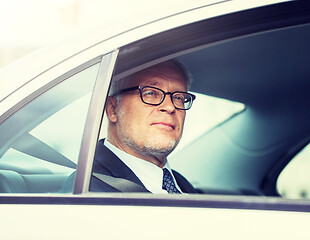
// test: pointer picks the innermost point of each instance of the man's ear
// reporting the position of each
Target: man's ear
(110, 109)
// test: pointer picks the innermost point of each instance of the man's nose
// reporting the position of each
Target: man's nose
(167, 105)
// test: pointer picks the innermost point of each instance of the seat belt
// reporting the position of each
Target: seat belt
(120, 184)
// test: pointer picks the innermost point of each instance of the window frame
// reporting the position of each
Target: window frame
(93, 123)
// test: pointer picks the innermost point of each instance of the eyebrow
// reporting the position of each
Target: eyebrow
(153, 82)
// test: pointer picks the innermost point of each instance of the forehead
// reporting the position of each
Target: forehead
(164, 77)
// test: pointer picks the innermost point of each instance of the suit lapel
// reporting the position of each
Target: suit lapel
(106, 162)
(185, 186)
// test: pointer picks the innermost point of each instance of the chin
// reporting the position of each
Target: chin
(163, 143)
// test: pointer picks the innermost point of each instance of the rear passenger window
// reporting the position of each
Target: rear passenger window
(40, 143)
(294, 181)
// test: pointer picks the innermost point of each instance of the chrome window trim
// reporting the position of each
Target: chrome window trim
(172, 201)
(93, 123)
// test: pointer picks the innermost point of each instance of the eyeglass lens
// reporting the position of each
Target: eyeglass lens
(155, 96)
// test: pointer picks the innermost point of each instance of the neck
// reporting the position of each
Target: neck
(141, 153)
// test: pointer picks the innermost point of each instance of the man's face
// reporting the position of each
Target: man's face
(146, 130)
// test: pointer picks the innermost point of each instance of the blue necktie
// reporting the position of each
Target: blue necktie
(168, 183)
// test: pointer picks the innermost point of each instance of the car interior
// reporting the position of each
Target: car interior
(267, 72)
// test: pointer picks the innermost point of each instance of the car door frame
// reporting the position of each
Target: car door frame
(93, 123)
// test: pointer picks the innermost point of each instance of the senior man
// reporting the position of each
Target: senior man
(146, 113)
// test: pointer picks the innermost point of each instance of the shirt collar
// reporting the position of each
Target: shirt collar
(148, 173)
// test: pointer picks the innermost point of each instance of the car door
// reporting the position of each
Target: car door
(82, 214)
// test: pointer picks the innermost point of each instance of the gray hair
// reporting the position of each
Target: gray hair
(154, 70)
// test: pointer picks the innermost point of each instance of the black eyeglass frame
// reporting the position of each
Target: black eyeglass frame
(193, 97)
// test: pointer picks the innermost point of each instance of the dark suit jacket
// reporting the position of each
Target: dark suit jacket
(107, 163)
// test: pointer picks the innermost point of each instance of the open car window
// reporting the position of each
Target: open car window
(263, 83)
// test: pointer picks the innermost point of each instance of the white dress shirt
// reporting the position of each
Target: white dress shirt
(148, 173)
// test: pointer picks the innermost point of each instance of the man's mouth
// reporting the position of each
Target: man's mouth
(165, 126)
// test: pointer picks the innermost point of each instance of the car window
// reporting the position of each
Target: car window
(234, 153)
(293, 182)
(40, 143)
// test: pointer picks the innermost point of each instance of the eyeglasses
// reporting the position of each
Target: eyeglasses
(155, 96)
